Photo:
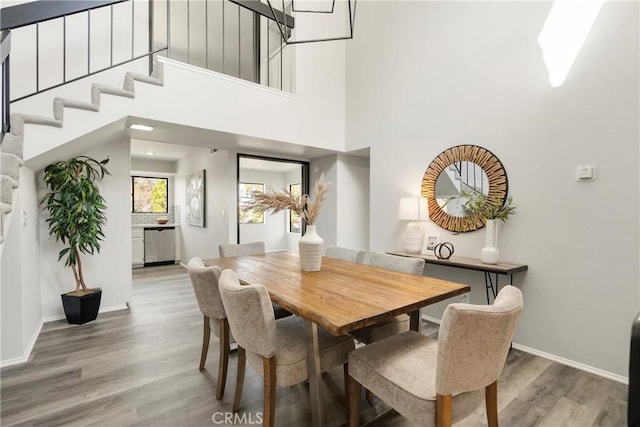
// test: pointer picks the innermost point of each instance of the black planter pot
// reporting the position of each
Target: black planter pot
(82, 309)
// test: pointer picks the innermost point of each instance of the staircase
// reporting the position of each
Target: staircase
(11, 147)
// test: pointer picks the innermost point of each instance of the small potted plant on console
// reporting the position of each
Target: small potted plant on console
(490, 211)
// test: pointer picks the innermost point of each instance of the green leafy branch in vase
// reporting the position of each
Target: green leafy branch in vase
(485, 208)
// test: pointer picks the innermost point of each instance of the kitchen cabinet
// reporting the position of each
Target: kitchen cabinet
(137, 247)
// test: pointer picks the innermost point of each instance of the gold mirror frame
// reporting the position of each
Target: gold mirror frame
(482, 157)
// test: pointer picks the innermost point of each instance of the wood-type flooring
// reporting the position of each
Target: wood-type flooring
(139, 367)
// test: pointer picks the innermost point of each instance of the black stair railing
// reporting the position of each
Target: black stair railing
(242, 40)
(36, 13)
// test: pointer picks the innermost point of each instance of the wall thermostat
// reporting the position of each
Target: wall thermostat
(586, 173)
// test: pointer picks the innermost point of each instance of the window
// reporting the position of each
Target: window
(295, 222)
(149, 194)
(245, 214)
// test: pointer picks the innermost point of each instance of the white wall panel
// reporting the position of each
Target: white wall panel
(123, 24)
(100, 38)
(23, 61)
(77, 50)
(50, 53)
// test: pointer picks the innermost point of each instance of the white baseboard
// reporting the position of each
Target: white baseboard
(114, 308)
(27, 352)
(573, 364)
(102, 310)
(558, 359)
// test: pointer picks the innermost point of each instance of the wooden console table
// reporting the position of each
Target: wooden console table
(474, 264)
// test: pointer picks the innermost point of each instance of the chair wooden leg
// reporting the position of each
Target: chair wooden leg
(368, 395)
(242, 358)
(491, 400)
(443, 410)
(223, 363)
(269, 373)
(206, 334)
(347, 396)
(354, 402)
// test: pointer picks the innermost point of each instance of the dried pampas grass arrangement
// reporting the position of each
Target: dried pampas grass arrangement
(272, 201)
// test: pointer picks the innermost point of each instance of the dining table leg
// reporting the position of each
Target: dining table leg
(313, 367)
(415, 321)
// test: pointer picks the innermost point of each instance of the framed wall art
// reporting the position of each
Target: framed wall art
(195, 203)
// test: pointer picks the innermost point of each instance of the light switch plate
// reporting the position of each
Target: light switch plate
(586, 172)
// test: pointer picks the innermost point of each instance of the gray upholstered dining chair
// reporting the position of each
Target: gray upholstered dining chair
(436, 382)
(395, 262)
(231, 249)
(277, 349)
(395, 324)
(346, 254)
(205, 285)
(246, 249)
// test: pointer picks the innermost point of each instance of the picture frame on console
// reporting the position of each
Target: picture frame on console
(429, 243)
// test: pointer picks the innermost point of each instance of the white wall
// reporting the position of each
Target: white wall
(199, 241)
(447, 73)
(11, 326)
(111, 268)
(344, 220)
(353, 202)
(326, 225)
(21, 312)
(27, 217)
(163, 167)
(274, 229)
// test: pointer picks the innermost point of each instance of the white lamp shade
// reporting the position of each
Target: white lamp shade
(413, 209)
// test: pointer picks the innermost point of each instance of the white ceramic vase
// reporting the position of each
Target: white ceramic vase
(310, 246)
(490, 253)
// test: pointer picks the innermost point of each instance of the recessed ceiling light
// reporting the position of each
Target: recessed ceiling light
(141, 127)
(150, 153)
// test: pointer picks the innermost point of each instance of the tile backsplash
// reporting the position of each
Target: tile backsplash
(143, 218)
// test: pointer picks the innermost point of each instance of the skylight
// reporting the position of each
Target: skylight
(563, 33)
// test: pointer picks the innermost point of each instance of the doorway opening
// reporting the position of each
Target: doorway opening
(280, 231)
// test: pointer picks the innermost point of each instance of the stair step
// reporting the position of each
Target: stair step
(130, 77)
(5, 208)
(18, 121)
(97, 89)
(59, 105)
(158, 71)
(6, 192)
(12, 144)
(10, 167)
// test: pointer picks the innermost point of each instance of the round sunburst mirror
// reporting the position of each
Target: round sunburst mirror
(456, 174)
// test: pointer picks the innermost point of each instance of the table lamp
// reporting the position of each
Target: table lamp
(413, 209)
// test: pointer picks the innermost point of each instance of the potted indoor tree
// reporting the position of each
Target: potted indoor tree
(76, 216)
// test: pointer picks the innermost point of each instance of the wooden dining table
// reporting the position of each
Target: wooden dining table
(342, 297)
